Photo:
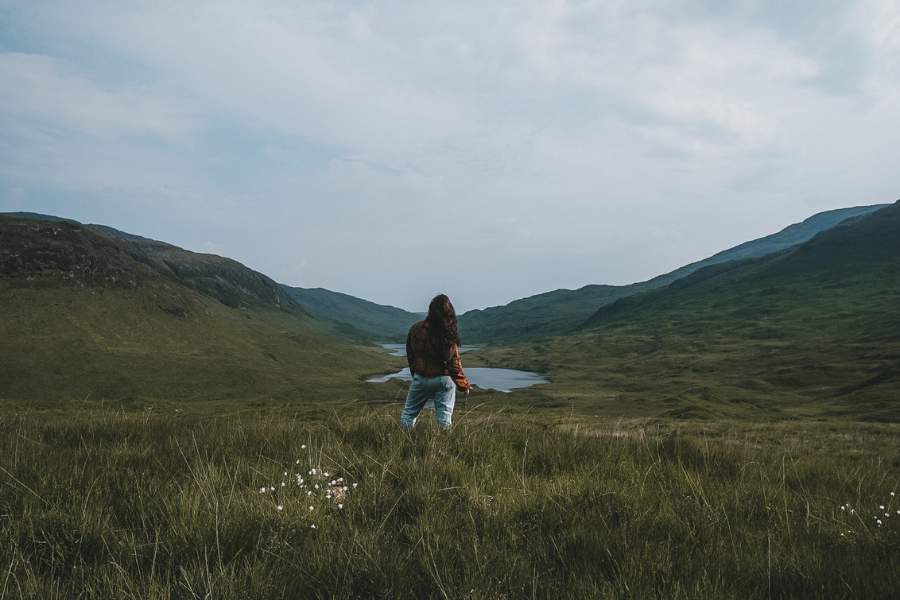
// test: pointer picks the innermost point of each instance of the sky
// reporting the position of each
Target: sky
(489, 150)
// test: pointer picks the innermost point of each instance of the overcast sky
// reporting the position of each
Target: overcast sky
(488, 150)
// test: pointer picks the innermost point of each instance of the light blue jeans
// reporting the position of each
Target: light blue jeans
(421, 390)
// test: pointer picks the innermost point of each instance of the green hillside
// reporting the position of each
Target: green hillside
(550, 313)
(387, 323)
(810, 331)
(88, 315)
(561, 311)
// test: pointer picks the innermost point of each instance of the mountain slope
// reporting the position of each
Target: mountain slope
(226, 280)
(792, 235)
(561, 311)
(538, 316)
(90, 315)
(812, 330)
(386, 322)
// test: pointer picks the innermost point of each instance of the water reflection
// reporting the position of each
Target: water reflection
(502, 380)
(400, 349)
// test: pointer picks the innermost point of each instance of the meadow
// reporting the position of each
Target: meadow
(800, 347)
(335, 501)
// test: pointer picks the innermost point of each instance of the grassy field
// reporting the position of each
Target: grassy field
(98, 502)
(805, 346)
(96, 343)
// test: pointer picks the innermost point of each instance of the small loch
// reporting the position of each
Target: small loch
(502, 380)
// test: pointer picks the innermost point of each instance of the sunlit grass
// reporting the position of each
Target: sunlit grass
(509, 503)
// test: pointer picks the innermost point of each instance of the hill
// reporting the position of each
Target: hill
(387, 323)
(226, 280)
(561, 311)
(812, 330)
(89, 314)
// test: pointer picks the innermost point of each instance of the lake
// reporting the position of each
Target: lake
(502, 380)
(400, 349)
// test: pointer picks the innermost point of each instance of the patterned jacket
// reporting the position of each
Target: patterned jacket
(427, 357)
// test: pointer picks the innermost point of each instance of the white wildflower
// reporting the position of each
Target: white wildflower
(355, 484)
(312, 508)
(282, 484)
(325, 474)
(262, 490)
(303, 447)
(313, 526)
(272, 488)
(316, 486)
(879, 522)
(881, 507)
(280, 507)
(340, 506)
(298, 462)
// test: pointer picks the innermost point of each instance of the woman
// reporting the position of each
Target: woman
(432, 350)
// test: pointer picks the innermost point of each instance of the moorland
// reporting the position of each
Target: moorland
(176, 425)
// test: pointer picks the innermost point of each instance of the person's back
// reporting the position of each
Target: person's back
(427, 356)
(432, 351)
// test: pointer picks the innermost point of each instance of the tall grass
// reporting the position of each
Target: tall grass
(99, 504)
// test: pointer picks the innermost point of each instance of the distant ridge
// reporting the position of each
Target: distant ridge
(561, 311)
(386, 322)
(792, 235)
(852, 247)
(38, 217)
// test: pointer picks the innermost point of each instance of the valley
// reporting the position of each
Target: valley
(175, 425)
(801, 324)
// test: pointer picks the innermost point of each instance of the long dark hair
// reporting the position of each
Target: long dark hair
(441, 320)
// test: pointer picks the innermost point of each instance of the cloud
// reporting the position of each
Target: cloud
(61, 128)
(304, 71)
(52, 93)
(563, 132)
